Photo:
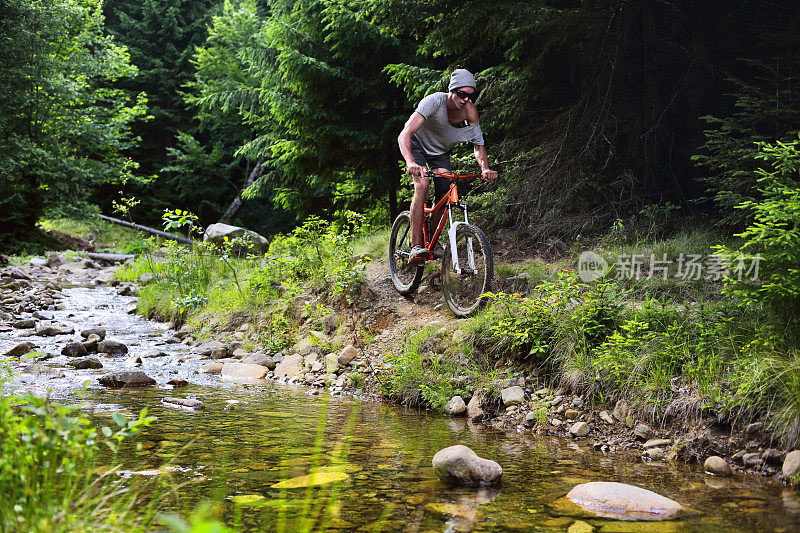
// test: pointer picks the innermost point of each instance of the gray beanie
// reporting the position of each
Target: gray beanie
(461, 78)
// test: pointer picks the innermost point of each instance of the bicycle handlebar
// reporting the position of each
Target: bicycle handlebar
(451, 175)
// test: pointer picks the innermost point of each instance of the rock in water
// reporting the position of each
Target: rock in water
(243, 371)
(130, 378)
(623, 502)
(579, 429)
(461, 466)
(260, 359)
(512, 395)
(717, 466)
(474, 409)
(184, 404)
(85, 363)
(290, 366)
(456, 406)
(112, 347)
(791, 464)
(100, 332)
(20, 349)
(74, 349)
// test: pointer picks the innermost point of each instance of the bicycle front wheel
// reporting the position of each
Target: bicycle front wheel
(406, 277)
(463, 284)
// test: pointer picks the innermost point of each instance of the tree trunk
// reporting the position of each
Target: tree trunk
(229, 213)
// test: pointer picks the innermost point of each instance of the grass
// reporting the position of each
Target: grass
(104, 234)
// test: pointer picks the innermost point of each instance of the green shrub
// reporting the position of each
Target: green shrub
(47, 462)
(773, 238)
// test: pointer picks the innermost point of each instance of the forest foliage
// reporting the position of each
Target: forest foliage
(262, 112)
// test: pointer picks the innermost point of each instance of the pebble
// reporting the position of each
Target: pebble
(605, 417)
(643, 432)
(656, 443)
(571, 414)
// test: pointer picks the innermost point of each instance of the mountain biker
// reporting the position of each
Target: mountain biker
(441, 121)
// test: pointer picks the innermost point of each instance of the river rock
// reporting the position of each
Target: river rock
(291, 365)
(219, 353)
(605, 417)
(456, 406)
(20, 349)
(755, 427)
(717, 466)
(791, 464)
(571, 414)
(211, 368)
(26, 323)
(347, 354)
(52, 331)
(331, 363)
(126, 378)
(207, 347)
(74, 349)
(579, 429)
(19, 273)
(656, 443)
(88, 332)
(772, 455)
(91, 344)
(235, 371)
(751, 459)
(154, 353)
(85, 363)
(112, 347)
(655, 454)
(184, 404)
(642, 432)
(37, 262)
(260, 359)
(461, 466)
(38, 369)
(474, 409)
(512, 395)
(217, 233)
(623, 502)
(177, 383)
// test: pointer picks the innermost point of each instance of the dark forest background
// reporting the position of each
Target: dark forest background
(263, 112)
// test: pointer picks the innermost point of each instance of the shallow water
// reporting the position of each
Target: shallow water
(251, 437)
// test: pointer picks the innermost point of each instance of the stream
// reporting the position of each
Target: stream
(251, 437)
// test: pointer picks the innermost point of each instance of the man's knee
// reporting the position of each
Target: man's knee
(421, 186)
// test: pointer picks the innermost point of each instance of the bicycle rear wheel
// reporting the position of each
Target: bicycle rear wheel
(406, 277)
(463, 290)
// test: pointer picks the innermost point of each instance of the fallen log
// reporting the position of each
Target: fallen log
(152, 231)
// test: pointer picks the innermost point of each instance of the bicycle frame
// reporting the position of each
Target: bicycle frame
(449, 201)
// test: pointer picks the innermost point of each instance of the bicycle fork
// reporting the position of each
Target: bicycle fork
(451, 235)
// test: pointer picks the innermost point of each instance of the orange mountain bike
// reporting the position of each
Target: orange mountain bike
(467, 265)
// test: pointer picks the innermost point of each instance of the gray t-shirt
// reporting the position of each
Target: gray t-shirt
(436, 135)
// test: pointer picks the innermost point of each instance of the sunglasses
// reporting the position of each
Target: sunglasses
(465, 95)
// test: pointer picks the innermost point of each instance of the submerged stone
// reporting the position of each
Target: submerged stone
(623, 502)
(311, 480)
(184, 404)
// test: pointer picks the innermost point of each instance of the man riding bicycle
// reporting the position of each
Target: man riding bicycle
(441, 121)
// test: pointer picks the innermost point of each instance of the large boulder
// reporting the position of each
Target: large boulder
(791, 464)
(128, 378)
(623, 502)
(216, 234)
(290, 366)
(238, 371)
(459, 465)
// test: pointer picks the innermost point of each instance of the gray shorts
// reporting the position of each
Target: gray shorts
(421, 157)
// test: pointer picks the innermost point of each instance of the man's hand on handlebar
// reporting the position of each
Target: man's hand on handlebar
(418, 171)
(489, 175)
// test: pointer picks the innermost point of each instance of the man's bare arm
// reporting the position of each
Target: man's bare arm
(404, 140)
(483, 161)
